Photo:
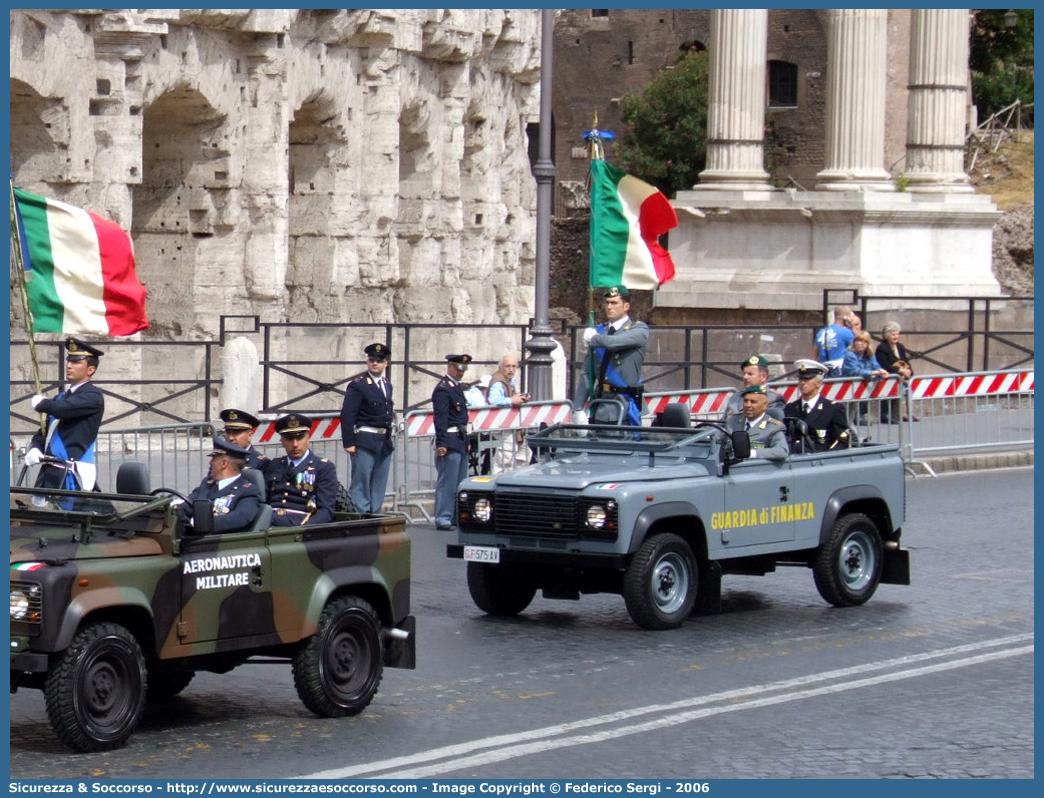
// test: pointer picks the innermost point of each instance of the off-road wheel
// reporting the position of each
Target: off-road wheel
(167, 685)
(96, 691)
(660, 583)
(847, 569)
(338, 669)
(497, 590)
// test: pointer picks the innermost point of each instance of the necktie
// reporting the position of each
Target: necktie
(746, 426)
(804, 409)
(610, 331)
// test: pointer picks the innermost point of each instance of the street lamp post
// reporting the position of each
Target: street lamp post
(540, 344)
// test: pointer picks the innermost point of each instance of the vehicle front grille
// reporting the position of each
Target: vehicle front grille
(537, 514)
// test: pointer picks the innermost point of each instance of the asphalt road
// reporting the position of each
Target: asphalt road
(934, 680)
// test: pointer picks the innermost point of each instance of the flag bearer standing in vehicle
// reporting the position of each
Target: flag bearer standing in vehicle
(302, 488)
(367, 419)
(450, 408)
(73, 420)
(616, 351)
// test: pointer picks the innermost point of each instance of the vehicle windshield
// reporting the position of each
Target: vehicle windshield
(40, 505)
(697, 441)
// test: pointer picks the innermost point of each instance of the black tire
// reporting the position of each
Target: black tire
(847, 569)
(344, 503)
(497, 590)
(96, 691)
(167, 685)
(338, 669)
(660, 583)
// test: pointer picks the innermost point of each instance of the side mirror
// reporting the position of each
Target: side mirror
(740, 444)
(203, 517)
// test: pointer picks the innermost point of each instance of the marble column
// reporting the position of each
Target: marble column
(938, 101)
(736, 112)
(857, 47)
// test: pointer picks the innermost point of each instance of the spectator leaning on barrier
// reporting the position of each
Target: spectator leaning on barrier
(895, 359)
(832, 341)
(860, 362)
(504, 392)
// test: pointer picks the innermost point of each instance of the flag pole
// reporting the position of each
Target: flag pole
(16, 237)
(597, 154)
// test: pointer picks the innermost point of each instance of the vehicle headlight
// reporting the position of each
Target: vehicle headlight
(597, 516)
(483, 510)
(19, 604)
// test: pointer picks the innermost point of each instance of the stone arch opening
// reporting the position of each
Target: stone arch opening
(39, 135)
(180, 202)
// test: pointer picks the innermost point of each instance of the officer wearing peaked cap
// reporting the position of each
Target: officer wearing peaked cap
(768, 438)
(239, 428)
(302, 487)
(827, 422)
(615, 356)
(367, 424)
(73, 420)
(450, 411)
(236, 501)
(755, 372)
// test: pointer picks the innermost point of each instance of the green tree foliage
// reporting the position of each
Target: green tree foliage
(665, 136)
(1001, 60)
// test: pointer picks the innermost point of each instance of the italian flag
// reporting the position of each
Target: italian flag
(627, 217)
(79, 270)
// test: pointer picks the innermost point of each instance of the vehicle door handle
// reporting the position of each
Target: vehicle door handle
(783, 493)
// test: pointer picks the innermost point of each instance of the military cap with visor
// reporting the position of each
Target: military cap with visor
(75, 349)
(810, 368)
(239, 419)
(378, 351)
(460, 360)
(293, 423)
(223, 447)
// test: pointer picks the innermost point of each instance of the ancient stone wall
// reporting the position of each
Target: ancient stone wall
(314, 165)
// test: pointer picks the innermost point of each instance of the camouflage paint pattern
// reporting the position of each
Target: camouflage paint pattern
(219, 598)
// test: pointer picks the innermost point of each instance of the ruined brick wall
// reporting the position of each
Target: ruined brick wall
(314, 165)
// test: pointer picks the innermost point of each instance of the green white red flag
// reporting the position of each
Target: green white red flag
(80, 271)
(627, 218)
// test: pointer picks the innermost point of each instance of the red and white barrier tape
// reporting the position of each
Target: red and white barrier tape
(497, 418)
(972, 385)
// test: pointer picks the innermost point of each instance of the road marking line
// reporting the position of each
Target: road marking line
(513, 752)
(744, 695)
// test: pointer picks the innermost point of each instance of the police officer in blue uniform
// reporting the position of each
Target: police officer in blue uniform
(73, 420)
(239, 428)
(367, 423)
(302, 488)
(451, 439)
(236, 501)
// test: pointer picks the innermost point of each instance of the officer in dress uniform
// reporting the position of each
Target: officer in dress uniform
(615, 356)
(827, 422)
(73, 420)
(768, 436)
(450, 409)
(302, 488)
(239, 428)
(236, 500)
(367, 423)
(755, 372)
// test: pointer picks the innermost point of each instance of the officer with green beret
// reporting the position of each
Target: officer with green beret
(768, 436)
(755, 372)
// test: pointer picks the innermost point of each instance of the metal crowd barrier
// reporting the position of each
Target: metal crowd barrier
(500, 424)
(954, 412)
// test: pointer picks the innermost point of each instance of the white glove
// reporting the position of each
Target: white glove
(589, 333)
(37, 398)
(579, 416)
(33, 457)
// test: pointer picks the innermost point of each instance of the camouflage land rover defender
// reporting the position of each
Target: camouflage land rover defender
(113, 602)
